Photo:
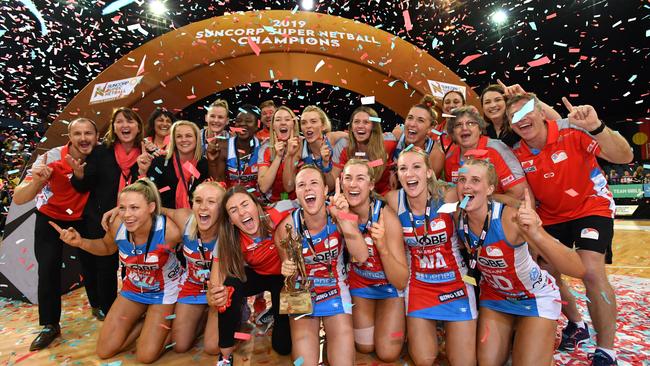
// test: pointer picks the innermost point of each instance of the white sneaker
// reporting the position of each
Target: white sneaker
(227, 362)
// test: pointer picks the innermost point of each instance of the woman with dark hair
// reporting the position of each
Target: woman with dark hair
(145, 240)
(493, 102)
(247, 263)
(158, 130)
(181, 170)
(366, 140)
(107, 170)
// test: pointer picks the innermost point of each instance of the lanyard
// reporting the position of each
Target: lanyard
(186, 185)
(463, 222)
(372, 207)
(424, 240)
(310, 242)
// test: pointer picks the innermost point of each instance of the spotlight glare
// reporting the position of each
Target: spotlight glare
(499, 17)
(157, 7)
(307, 4)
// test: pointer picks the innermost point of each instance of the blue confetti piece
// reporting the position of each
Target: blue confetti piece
(604, 295)
(436, 132)
(520, 114)
(646, 166)
(295, 10)
(203, 272)
(11, 172)
(463, 203)
(170, 345)
(409, 147)
(347, 306)
(157, 170)
(463, 170)
(114, 363)
(115, 6)
(392, 83)
(170, 317)
(271, 74)
(375, 119)
(2, 32)
(250, 190)
(535, 151)
(299, 361)
(533, 25)
(251, 143)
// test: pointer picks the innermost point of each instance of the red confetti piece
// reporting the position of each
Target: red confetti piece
(29, 267)
(476, 153)
(376, 163)
(561, 302)
(571, 192)
(21, 358)
(407, 20)
(254, 46)
(539, 62)
(164, 189)
(242, 336)
(487, 333)
(236, 129)
(347, 216)
(191, 169)
(470, 58)
(162, 325)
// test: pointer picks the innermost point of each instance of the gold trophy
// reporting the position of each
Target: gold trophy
(295, 297)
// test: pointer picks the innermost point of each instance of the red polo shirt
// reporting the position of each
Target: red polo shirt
(508, 168)
(565, 176)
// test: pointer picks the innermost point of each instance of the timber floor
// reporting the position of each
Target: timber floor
(630, 276)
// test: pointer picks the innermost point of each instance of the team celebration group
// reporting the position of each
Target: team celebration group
(455, 217)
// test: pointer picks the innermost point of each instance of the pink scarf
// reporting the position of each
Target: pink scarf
(184, 179)
(125, 161)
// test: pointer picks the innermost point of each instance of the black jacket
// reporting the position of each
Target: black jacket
(102, 180)
(162, 173)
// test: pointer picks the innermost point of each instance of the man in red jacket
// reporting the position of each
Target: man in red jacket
(48, 182)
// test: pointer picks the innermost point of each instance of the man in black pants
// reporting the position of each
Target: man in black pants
(48, 182)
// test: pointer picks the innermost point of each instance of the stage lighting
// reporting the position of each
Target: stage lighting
(499, 17)
(157, 7)
(307, 4)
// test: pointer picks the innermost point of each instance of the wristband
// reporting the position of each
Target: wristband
(598, 129)
(328, 168)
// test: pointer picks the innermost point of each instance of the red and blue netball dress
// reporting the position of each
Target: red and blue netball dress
(367, 279)
(277, 191)
(511, 281)
(306, 157)
(323, 255)
(198, 257)
(153, 272)
(242, 170)
(435, 288)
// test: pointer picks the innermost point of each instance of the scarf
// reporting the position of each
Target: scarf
(185, 178)
(125, 161)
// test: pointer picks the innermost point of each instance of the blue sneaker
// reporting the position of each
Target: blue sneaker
(572, 336)
(601, 358)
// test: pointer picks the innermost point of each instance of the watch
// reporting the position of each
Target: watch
(598, 129)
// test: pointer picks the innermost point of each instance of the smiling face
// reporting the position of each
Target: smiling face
(162, 125)
(531, 127)
(311, 126)
(361, 127)
(416, 126)
(357, 184)
(185, 140)
(126, 130)
(267, 116)
(494, 105)
(248, 123)
(83, 137)
(311, 191)
(451, 101)
(413, 174)
(243, 213)
(217, 119)
(205, 205)
(473, 181)
(466, 131)
(134, 210)
(282, 125)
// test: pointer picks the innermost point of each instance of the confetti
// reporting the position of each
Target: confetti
(520, 114)
(469, 59)
(539, 62)
(347, 216)
(242, 336)
(32, 8)
(164, 189)
(367, 100)
(376, 163)
(476, 153)
(115, 6)
(191, 169)
(319, 65)
(464, 202)
(375, 119)
(170, 317)
(448, 207)
(469, 279)
(299, 361)
(301, 316)
(254, 46)
(407, 20)
(571, 192)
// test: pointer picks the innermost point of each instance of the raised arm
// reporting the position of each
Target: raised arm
(387, 236)
(613, 146)
(269, 170)
(36, 179)
(530, 228)
(291, 159)
(354, 241)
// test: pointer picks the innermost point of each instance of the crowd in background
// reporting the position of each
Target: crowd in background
(633, 173)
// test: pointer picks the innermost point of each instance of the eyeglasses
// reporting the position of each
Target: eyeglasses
(468, 124)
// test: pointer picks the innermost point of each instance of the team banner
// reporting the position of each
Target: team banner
(439, 89)
(113, 90)
(627, 190)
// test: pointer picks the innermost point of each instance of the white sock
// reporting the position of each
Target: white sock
(610, 352)
(581, 324)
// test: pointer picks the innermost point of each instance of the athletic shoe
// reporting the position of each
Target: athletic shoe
(601, 358)
(572, 336)
(226, 362)
(264, 318)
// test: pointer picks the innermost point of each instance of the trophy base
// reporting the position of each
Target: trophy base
(295, 302)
